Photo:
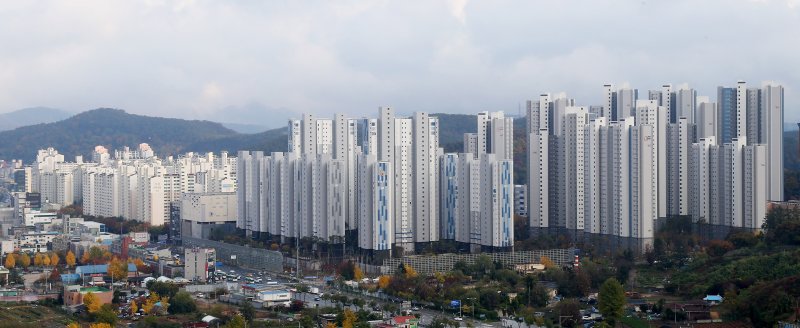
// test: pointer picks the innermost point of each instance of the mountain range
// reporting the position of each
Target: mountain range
(114, 128)
(31, 116)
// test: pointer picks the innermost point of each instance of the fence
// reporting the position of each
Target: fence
(429, 264)
(242, 256)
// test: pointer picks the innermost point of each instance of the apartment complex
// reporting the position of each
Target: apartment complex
(134, 184)
(616, 169)
(387, 177)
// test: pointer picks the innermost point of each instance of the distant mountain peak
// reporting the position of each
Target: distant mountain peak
(31, 116)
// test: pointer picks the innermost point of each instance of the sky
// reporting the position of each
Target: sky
(261, 62)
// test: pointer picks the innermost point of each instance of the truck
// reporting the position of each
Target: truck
(313, 290)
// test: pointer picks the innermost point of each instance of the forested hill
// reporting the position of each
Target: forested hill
(112, 128)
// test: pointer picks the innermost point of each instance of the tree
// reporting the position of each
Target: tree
(349, 319)
(134, 307)
(237, 322)
(357, 273)
(73, 325)
(568, 308)
(150, 303)
(140, 266)
(442, 322)
(91, 302)
(118, 269)
(164, 300)
(547, 262)
(611, 300)
(383, 281)
(100, 325)
(46, 260)
(37, 259)
(85, 258)
(163, 288)
(70, 259)
(24, 260)
(717, 248)
(248, 311)
(409, 271)
(11, 262)
(54, 259)
(106, 315)
(182, 302)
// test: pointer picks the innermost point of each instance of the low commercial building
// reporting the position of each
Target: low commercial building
(199, 263)
(74, 295)
(269, 295)
(34, 242)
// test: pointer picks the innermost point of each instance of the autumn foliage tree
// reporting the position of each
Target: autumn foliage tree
(118, 269)
(100, 325)
(383, 281)
(357, 273)
(349, 319)
(24, 260)
(10, 262)
(70, 259)
(92, 303)
(37, 259)
(54, 259)
(547, 262)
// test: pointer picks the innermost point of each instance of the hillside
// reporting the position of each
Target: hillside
(111, 128)
(31, 116)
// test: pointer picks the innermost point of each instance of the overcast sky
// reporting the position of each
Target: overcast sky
(263, 61)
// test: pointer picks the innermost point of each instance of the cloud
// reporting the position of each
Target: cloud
(202, 59)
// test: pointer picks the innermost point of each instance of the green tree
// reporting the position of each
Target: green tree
(236, 322)
(163, 288)
(611, 300)
(248, 311)
(182, 302)
(106, 315)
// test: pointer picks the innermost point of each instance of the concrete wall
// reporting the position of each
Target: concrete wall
(248, 257)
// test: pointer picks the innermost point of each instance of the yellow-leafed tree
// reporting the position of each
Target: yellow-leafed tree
(357, 273)
(11, 262)
(46, 259)
(350, 319)
(73, 325)
(100, 325)
(150, 303)
(85, 258)
(91, 302)
(118, 269)
(547, 262)
(134, 307)
(383, 281)
(70, 259)
(24, 260)
(409, 271)
(164, 304)
(54, 259)
(37, 259)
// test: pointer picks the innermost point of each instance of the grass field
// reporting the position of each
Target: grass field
(24, 316)
(634, 322)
